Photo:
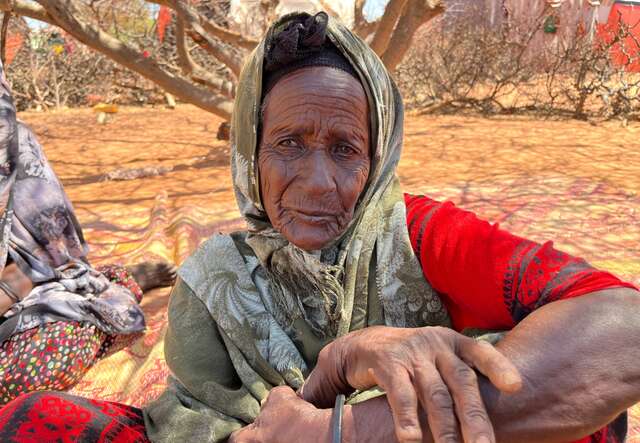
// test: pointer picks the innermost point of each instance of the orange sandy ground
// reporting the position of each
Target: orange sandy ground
(571, 182)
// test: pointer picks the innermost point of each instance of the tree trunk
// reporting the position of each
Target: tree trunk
(65, 16)
(416, 14)
(387, 24)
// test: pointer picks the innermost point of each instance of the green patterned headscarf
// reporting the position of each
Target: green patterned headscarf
(236, 276)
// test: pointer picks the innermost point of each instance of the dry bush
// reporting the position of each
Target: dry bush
(78, 76)
(43, 79)
(585, 81)
(464, 65)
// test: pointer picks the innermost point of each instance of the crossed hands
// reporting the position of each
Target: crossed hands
(429, 369)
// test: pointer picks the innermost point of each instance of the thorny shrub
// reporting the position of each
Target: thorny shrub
(468, 66)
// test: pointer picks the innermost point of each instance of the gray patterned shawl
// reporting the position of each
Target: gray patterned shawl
(40, 233)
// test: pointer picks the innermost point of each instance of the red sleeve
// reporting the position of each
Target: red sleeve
(489, 278)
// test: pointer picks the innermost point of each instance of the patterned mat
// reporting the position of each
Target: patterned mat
(137, 374)
(571, 182)
(578, 214)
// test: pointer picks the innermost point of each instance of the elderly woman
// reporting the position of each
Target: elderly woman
(58, 315)
(343, 285)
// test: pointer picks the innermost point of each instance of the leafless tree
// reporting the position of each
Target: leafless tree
(45, 77)
(464, 65)
(201, 28)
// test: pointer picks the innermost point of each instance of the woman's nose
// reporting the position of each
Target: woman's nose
(320, 173)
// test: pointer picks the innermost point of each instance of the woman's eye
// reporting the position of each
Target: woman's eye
(344, 150)
(288, 143)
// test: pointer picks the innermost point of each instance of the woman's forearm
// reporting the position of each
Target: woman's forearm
(578, 360)
(369, 421)
(5, 303)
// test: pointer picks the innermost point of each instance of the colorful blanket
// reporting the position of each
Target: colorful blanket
(137, 374)
(538, 179)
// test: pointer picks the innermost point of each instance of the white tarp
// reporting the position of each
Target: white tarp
(247, 16)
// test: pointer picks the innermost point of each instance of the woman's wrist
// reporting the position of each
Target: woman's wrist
(316, 429)
(321, 431)
(5, 302)
(9, 292)
(325, 426)
(348, 425)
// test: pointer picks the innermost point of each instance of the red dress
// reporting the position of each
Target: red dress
(487, 277)
(491, 279)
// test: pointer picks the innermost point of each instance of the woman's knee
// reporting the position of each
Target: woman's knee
(33, 401)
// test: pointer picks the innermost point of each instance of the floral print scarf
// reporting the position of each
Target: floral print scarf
(40, 233)
(374, 256)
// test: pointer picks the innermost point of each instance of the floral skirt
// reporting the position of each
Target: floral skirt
(55, 356)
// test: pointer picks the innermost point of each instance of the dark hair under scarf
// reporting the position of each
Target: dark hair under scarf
(301, 42)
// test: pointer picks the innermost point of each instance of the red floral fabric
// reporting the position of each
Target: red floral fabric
(43, 417)
(56, 355)
(52, 357)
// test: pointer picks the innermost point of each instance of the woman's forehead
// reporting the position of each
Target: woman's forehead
(317, 86)
(320, 80)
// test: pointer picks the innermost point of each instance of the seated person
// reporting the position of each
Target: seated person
(342, 283)
(58, 315)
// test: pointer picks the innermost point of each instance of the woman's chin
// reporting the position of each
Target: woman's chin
(311, 239)
(310, 245)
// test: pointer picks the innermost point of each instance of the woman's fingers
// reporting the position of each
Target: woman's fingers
(436, 401)
(462, 382)
(319, 390)
(490, 362)
(248, 434)
(403, 400)
(327, 379)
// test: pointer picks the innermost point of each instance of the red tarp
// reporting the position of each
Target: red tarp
(14, 43)
(623, 13)
(164, 18)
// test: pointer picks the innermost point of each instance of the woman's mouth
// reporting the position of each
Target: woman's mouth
(313, 216)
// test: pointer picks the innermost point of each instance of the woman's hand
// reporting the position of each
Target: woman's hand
(431, 366)
(285, 417)
(17, 280)
(18, 284)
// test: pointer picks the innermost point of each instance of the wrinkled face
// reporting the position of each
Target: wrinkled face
(314, 154)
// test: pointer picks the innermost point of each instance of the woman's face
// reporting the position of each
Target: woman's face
(314, 154)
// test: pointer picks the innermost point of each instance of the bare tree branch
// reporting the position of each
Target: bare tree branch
(194, 70)
(361, 26)
(199, 34)
(26, 9)
(224, 55)
(387, 23)
(184, 58)
(207, 25)
(417, 13)
(65, 15)
(6, 18)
